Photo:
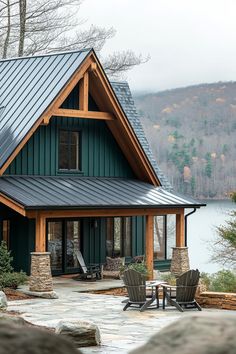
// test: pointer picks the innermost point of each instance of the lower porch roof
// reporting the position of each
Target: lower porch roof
(63, 192)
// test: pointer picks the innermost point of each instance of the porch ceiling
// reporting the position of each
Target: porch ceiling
(36, 192)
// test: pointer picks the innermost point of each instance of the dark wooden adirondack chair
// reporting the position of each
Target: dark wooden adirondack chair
(136, 286)
(89, 272)
(183, 294)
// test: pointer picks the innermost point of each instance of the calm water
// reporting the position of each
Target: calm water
(201, 231)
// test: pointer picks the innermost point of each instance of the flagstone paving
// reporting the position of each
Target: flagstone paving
(120, 331)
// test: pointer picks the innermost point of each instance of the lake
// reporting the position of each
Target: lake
(201, 232)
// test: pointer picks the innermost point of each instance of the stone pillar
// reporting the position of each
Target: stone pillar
(180, 261)
(41, 276)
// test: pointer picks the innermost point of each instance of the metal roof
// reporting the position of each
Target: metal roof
(29, 84)
(27, 87)
(125, 98)
(36, 192)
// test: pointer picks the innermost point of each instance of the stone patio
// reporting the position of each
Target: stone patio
(120, 331)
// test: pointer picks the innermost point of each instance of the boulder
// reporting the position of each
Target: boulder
(3, 301)
(82, 333)
(5, 317)
(24, 340)
(195, 334)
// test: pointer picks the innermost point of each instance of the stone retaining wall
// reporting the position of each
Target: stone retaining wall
(226, 301)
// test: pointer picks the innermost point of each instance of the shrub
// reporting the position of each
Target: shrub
(12, 280)
(8, 278)
(139, 267)
(223, 281)
(169, 278)
(5, 259)
(206, 279)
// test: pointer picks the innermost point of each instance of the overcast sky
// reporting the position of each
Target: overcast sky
(189, 41)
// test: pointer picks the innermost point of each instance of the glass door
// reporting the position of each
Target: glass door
(63, 242)
(73, 244)
(55, 245)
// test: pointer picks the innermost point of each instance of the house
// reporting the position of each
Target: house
(76, 171)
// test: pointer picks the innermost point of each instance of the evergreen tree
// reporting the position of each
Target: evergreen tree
(5, 259)
(208, 168)
(224, 248)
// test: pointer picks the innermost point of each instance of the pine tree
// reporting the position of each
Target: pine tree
(5, 259)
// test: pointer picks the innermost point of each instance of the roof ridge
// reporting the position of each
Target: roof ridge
(48, 54)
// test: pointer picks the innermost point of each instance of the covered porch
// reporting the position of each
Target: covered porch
(47, 199)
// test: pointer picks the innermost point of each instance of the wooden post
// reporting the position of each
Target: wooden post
(149, 245)
(40, 231)
(84, 92)
(180, 239)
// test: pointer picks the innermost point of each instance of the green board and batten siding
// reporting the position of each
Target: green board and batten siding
(100, 157)
(100, 154)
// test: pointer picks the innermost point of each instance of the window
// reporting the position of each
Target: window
(164, 236)
(69, 150)
(159, 237)
(119, 236)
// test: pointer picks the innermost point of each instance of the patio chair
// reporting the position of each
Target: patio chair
(183, 294)
(89, 272)
(136, 286)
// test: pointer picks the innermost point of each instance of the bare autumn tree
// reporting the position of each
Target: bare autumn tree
(29, 27)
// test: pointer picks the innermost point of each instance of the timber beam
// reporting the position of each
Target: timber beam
(100, 213)
(12, 204)
(76, 113)
(180, 237)
(40, 233)
(149, 247)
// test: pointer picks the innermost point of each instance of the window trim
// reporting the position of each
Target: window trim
(69, 171)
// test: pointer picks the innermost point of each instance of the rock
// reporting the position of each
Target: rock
(3, 301)
(42, 294)
(82, 333)
(5, 317)
(196, 334)
(24, 340)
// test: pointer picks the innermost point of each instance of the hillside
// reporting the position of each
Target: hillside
(192, 132)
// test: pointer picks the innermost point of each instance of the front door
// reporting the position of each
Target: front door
(63, 239)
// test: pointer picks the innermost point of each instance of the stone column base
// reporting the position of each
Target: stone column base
(180, 261)
(41, 276)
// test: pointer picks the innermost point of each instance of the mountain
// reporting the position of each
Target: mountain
(192, 132)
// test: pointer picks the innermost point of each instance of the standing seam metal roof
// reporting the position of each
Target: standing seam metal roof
(37, 192)
(27, 87)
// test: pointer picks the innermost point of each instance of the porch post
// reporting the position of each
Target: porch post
(149, 245)
(40, 234)
(41, 276)
(180, 259)
(180, 239)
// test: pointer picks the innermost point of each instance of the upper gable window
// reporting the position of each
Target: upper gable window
(68, 159)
